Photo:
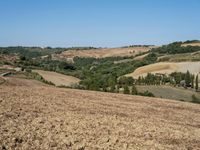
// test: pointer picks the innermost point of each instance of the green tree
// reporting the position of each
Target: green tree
(126, 81)
(112, 89)
(22, 58)
(126, 90)
(197, 83)
(192, 81)
(187, 79)
(134, 90)
(139, 80)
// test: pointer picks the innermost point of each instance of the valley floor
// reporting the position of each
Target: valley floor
(38, 116)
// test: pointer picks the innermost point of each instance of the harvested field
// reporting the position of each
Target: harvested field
(102, 53)
(58, 79)
(166, 68)
(46, 117)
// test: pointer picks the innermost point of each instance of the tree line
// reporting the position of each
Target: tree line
(176, 78)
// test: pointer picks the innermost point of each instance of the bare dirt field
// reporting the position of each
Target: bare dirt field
(102, 53)
(46, 117)
(167, 68)
(57, 78)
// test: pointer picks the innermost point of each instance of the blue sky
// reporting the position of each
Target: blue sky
(100, 23)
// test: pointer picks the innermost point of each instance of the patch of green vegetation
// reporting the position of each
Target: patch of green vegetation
(180, 57)
(146, 93)
(175, 48)
(169, 92)
(34, 52)
(101, 74)
(191, 41)
(195, 99)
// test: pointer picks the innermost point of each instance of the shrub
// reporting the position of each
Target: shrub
(126, 90)
(195, 99)
(147, 93)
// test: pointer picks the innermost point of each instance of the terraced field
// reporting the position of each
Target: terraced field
(36, 116)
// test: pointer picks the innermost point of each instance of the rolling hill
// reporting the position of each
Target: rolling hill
(166, 68)
(46, 117)
(102, 52)
(192, 44)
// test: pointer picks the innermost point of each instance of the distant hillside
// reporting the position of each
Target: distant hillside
(177, 48)
(166, 68)
(34, 52)
(192, 44)
(105, 52)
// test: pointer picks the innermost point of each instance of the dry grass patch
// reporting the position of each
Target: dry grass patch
(166, 68)
(58, 79)
(102, 53)
(191, 44)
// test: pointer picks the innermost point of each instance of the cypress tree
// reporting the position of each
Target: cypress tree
(197, 83)
(187, 79)
(192, 82)
(126, 90)
(134, 91)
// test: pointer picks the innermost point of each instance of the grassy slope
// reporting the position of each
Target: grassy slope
(169, 92)
(166, 67)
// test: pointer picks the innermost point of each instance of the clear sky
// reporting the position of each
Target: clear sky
(101, 23)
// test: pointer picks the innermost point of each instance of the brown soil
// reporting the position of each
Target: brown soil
(46, 117)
